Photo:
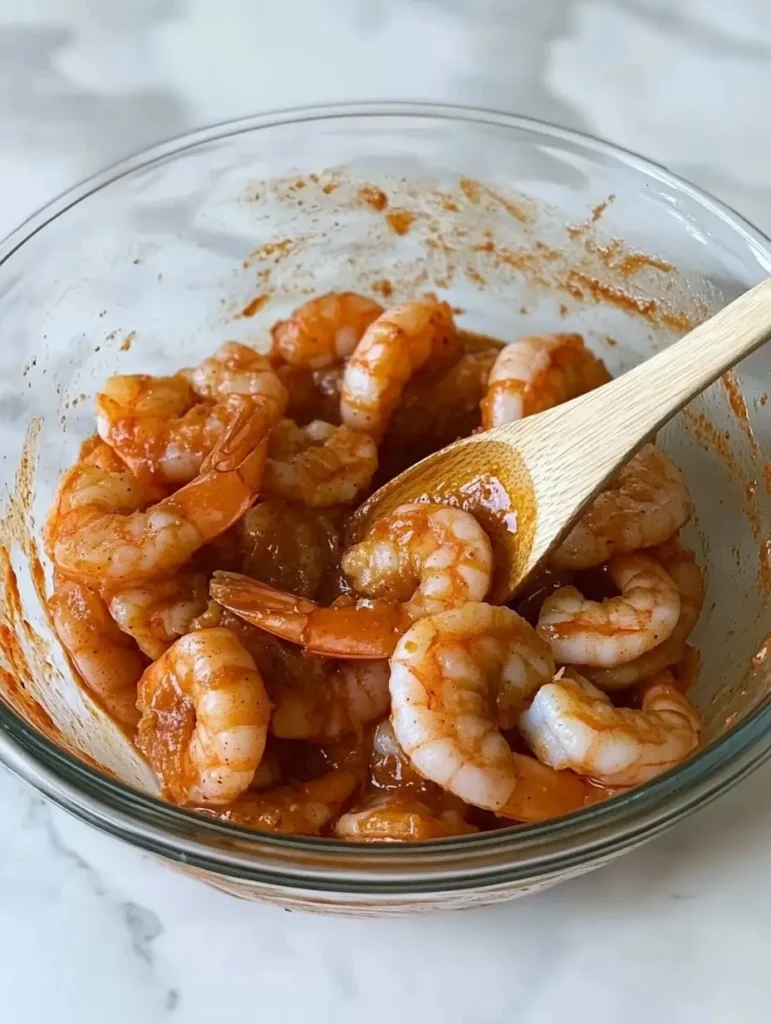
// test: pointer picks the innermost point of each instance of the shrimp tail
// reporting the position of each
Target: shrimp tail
(246, 437)
(230, 475)
(356, 631)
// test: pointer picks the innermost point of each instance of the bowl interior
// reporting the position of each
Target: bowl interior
(522, 229)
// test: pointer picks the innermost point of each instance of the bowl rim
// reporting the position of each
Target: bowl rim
(328, 865)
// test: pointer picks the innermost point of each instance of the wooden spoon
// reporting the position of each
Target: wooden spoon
(529, 481)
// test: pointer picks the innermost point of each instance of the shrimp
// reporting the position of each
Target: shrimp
(313, 698)
(325, 330)
(142, 396)
(159, 427)
(108, 661)
(288, 546)
(319, 464)
(421, 559)
(458, 678)
(158, 613)
(301, 808)
(643, 506)
(328, 699)
(236, 369)
(393, 348)
(572, 724)
(618, 629)
(427, 557)
(205, 715)
(681, 566)
(536, 373)
(397, 817)
(96, 533)
(348, 629)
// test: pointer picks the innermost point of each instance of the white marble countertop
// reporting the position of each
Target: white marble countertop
(679, 931)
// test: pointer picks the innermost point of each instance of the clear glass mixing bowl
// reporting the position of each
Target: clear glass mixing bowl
(150, 265)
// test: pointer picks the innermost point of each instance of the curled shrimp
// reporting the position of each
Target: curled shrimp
(426, 557)
(96, 533)
(400, 818)
(160, 612)
(314, 698)
(422, 559)
(458, 678)
(325, 330)
(572, 724)
(644, 505)
(348, 629)
(319, 464)
(159, 427)
(300, 808)
(618, 629)
(236, 369)
(109, 662)
(679, 563)
(329, 700)
(393, 348)
(536, 373)
(204, 719)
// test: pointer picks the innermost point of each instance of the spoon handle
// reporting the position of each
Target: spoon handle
(600, 430)
(650, 394)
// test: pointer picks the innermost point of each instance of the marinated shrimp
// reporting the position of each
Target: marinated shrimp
(236, 369)
(158, 613)
(536, 373)
(205, 715)
(325, 330)
(347, 697)
(643, 506)
(394, 347)
(275, 679)
(159, 427)
(301, 808)
(349, 628)
(399, 818)
(426, 557)
(97, 533)
(619, 629)
(318, 464)
(316, 699)
(572, 724)
(420, 560)
(457, 679)
(109, 662)
(680, 564)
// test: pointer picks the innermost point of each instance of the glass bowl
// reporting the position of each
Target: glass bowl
(523, 227)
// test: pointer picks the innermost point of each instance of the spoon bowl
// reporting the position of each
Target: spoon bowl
(529, 481)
